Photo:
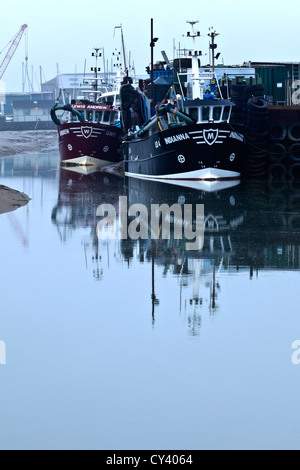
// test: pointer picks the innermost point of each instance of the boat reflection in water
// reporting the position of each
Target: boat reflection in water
(250, 227)
(81, 191)
(247, 227)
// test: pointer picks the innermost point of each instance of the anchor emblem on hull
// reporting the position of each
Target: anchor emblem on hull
(210, 135)
(86, 131)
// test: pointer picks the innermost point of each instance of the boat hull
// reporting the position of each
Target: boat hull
(89, 144)
(197, 152)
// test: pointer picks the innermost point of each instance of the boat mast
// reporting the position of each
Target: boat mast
(197, 91)
(124, 55)
(96, 69)
(118, 81)
(152, 44)
(123, 47)
(213, 46)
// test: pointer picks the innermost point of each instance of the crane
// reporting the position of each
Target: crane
(12, 49)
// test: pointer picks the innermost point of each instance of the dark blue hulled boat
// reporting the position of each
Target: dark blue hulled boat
(190, 136)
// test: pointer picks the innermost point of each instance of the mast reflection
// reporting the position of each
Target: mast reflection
(247, 227)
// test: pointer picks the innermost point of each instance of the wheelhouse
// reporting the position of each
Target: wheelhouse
(209, 111)
(111, 98)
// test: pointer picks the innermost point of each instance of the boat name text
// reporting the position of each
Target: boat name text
(110, 133)
(176, 138)
(235, 135)
(64, 132)
(96, 107)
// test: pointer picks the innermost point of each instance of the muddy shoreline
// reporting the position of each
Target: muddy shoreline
(11, 200)
(14, 142)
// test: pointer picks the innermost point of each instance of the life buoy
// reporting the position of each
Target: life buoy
(66, 107)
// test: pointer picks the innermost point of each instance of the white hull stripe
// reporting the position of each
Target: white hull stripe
(86, 161)
(207, 186)
(205, 174)
(89, 137)
(94, 132)
(220, 130)
(216, 142)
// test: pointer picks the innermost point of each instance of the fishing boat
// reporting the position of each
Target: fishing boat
(91, 135)
(89, 129)
(190, 136)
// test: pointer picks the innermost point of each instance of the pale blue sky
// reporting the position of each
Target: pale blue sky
(65, 31)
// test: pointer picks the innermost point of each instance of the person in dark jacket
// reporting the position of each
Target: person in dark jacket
(126, 96)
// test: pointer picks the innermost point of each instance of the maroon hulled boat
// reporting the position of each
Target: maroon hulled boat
(92, 136)
(89, 129)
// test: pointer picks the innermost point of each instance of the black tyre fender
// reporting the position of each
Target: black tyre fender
(257, 88)
(259, 114)
(260, 104)
(235, 87)
(278, 152)
(277, 132)
(294, 132)
(294, 153)
(277, 171)
(294, 171)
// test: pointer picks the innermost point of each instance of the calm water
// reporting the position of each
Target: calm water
(138, 345)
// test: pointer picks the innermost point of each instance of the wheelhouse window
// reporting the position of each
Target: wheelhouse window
(89, 116)
(194, 113)
(205, 113)
(217, 110)
(112, 117)
(226, 113)
(106, 117)
(109, 100)
(98, 116)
